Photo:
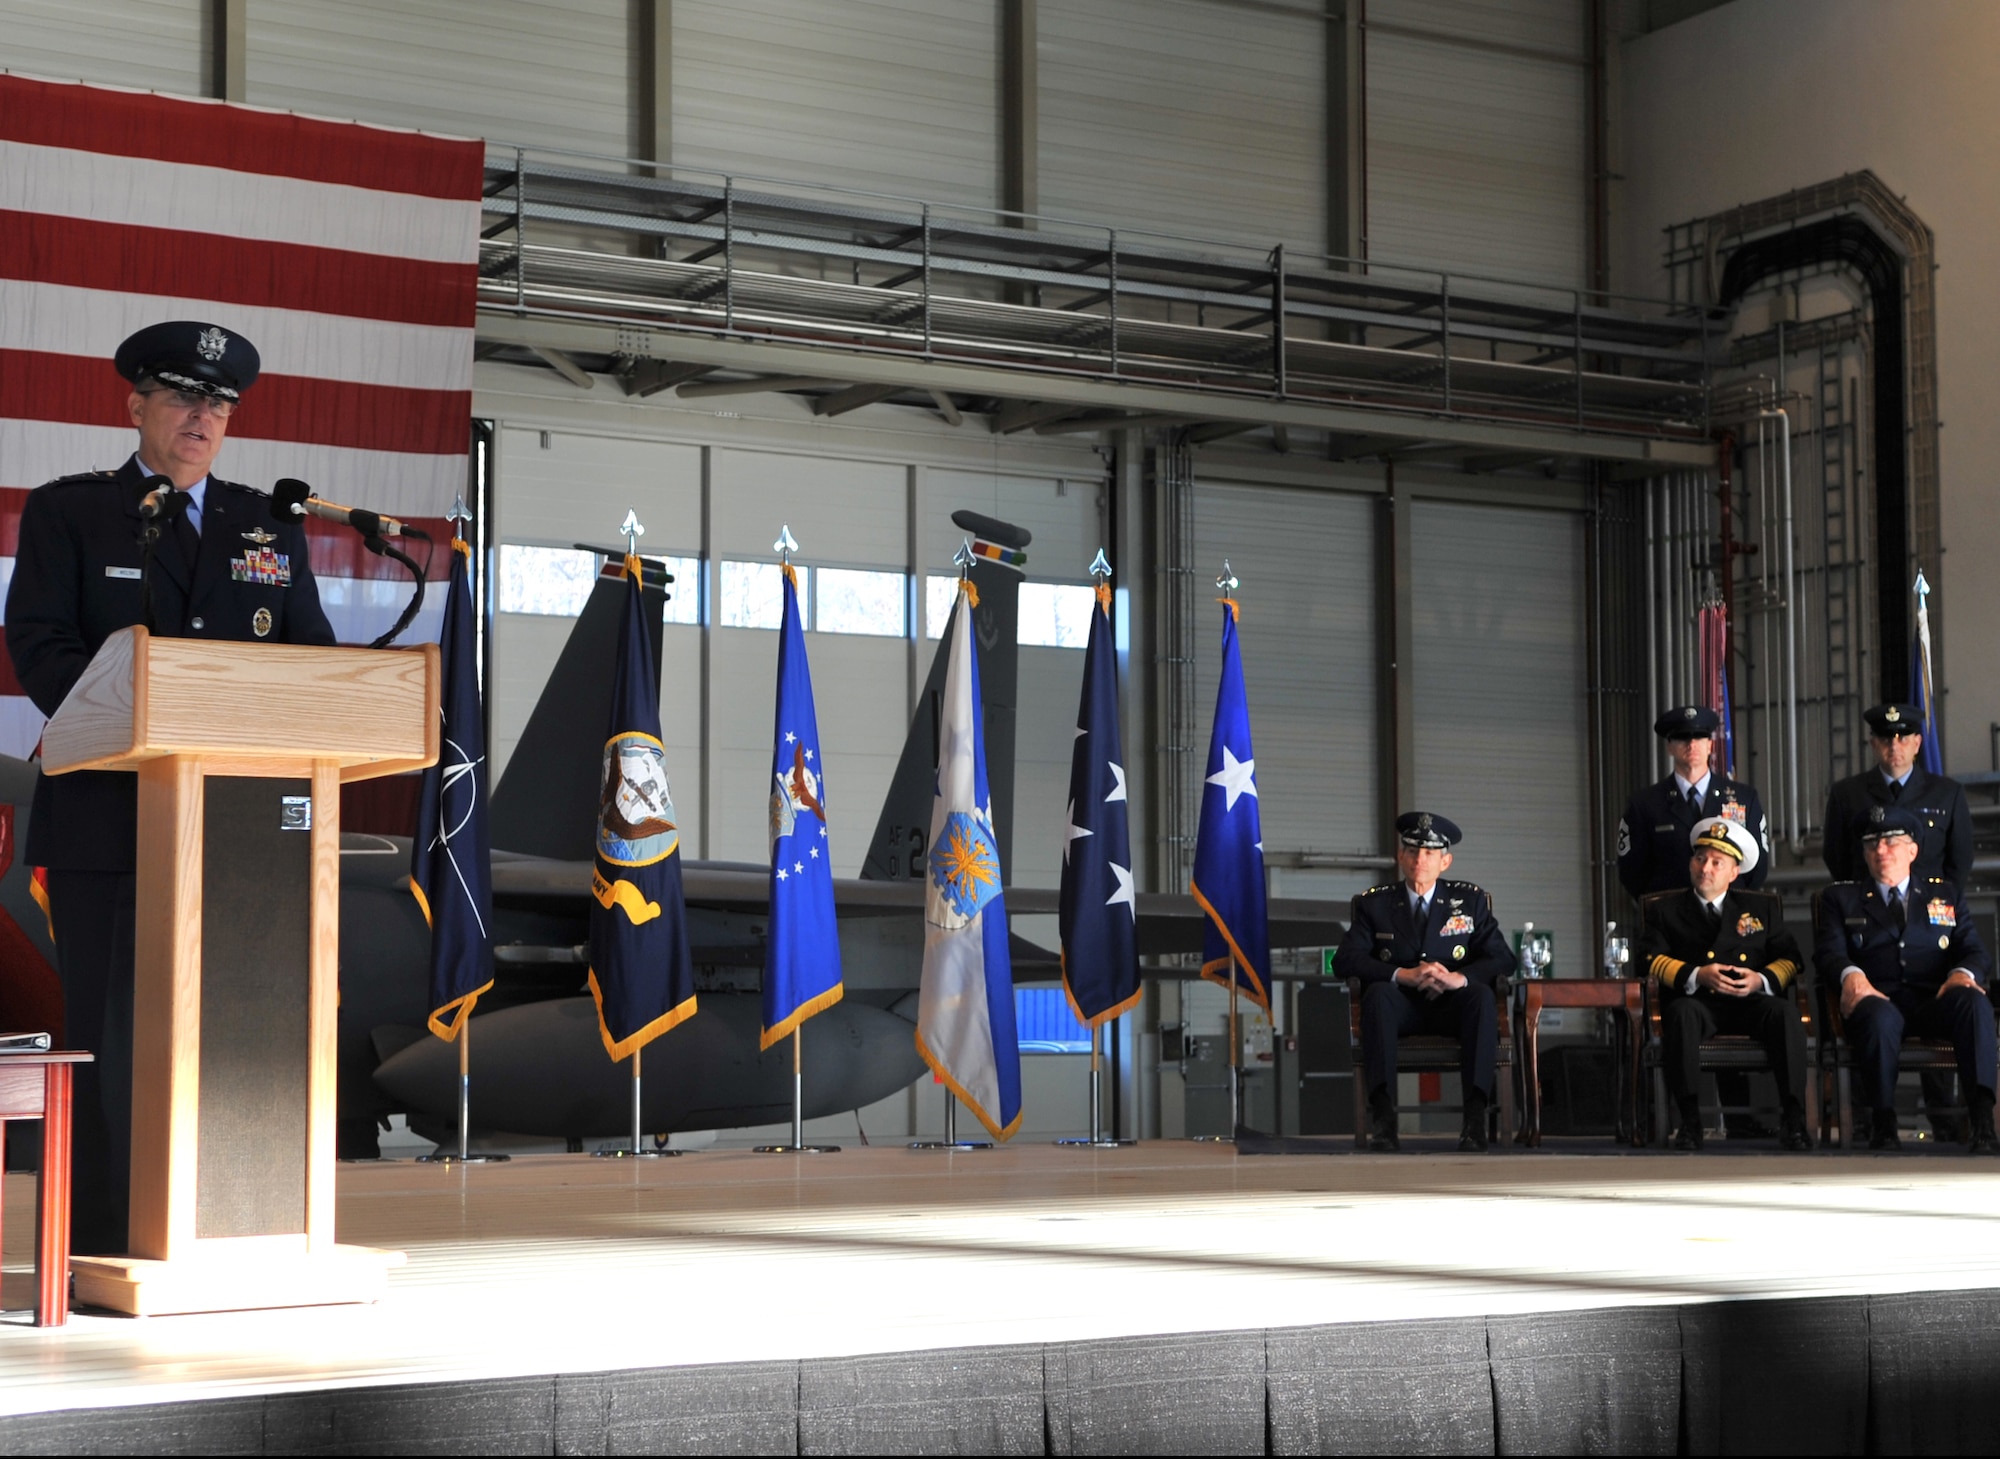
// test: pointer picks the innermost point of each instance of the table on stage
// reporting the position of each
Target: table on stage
(1532, 995)
(36, 1086)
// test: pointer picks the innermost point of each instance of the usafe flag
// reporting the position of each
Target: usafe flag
(451, 861)
(802, 952)
(640, 971)
(347, 254)
(1229, 846)
(965, 1007)
(1098, 912)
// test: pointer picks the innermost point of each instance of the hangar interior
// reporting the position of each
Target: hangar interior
(1429, 318)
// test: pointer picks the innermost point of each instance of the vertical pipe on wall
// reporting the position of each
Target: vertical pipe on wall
(1649, 495)
(1783, 424)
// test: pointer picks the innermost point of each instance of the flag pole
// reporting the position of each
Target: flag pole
(464, 1156)
(1235, 1052)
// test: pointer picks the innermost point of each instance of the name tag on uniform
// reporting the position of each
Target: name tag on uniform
(1670, 826)
(1943, 914)
(1746, 924)
(262, 565)
(122, 572)
(1456, 925)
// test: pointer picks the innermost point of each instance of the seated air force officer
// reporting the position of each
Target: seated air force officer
(223, 570)
(1723, 959)
(1654, 837)
(1427, 953)
(1904, 953)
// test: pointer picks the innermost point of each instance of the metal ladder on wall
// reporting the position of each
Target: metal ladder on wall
(1837, 483)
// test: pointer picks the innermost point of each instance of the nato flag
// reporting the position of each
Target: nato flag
(1229, 846)
(1098, 912)
(802, 953)
(640, 971)
(451, 863)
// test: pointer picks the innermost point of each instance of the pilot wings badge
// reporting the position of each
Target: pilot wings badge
(794, 792)
(635, 817)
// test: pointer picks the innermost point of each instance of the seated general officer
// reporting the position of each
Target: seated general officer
(1427, 953)
(1655, 836)
(223, 570)
(1723, 959)
(1904, 953)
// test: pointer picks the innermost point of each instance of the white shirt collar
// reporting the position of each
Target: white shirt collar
(1700, 785)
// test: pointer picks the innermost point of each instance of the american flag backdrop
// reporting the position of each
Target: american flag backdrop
(346, 253)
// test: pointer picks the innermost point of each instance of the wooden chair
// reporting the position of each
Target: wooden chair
(1425, 1053)
(1736, 1053)
(1836, 1060)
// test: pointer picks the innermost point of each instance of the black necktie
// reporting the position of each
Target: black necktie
(1714, 910)
(1423, 911)
(1895, 790)
(1900, 912)
(1694, 797)
(188, 537)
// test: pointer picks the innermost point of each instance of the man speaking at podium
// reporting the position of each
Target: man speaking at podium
(222, 569)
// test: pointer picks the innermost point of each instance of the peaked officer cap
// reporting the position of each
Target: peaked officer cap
(1885, 720)
(1731, 838)
(1880, 822)
(1422, 831)
(205, 359)
(1687, 722)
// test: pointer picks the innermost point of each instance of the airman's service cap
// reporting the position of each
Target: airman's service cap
(1880, 822)
(1888, 720)
(1687, 722)
(186, 354)
(1422, 831)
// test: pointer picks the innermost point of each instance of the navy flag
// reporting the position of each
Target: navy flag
(802, 953)
(1229, 846)
(1099, 913)
(640, 971)
(451, 862)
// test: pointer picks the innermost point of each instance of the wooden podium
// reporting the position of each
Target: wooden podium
(240, 750)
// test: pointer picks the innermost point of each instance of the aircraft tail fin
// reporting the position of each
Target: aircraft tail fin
(902, 832)
(541, 807)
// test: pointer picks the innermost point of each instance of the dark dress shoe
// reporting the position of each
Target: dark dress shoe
(1472, 1136)
(1686, 1137)
(1984, 1141)
(1382, 1136)
(1792, 1133)
(1882, 1131)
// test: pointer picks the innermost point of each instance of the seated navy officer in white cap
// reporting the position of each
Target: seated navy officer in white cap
(1427, 953)
(1656, 831)
(1723, 961)
(224, 570)
(1907, 959)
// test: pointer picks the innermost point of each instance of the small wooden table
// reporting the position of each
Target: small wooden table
(1609, 993)
(37, 1087)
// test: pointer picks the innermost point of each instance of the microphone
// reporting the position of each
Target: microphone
(159, 499)
(292, 499)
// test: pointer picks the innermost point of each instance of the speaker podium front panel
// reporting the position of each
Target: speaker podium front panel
(240, 751)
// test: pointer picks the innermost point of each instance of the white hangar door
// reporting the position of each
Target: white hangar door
(1308, 631)
(1476, 123)
(1501, 732)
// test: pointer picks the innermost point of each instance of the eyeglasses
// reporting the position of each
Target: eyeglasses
(193, 400)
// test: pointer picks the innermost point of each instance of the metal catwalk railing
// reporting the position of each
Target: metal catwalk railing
(675, 250)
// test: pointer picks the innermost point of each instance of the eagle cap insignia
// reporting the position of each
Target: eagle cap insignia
(1688, 713)
(1892, 714)
(211, 343)
(1424, 821)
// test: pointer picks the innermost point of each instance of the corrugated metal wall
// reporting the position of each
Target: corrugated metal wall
(155, 44)
(1502, 738)
(893, 96)
(1476, 132)
(1185, 116)
(510, 70)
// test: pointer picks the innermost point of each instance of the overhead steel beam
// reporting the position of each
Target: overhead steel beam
(808, 365)
(1218, 430)
(564, 366)
(760, 385)
(853, 397)
(1115, 421)
(1019, 415)
(948, 408)
(650, 377)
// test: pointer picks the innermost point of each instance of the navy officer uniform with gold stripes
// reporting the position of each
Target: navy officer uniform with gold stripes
(1906, 958)
(1408, 948)
(1723, 963)
(1656, 833)
(223, 570)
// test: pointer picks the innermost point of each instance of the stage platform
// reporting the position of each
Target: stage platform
(1168, 1297)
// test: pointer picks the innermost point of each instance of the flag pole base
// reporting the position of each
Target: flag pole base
(795, 1149)
(951, 1144)
(626, 1153)
(452, 1157)
(1211, 1139)
(1095, 1144)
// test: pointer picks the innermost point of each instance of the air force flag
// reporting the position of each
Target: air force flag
(1229, 847)
(1098, 911)
(640, 971)
(965, 1008)
(802, 954)
(451, 862)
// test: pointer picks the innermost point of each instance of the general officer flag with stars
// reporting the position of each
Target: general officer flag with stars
(1229, 846)
(802, 953)
(640, 971)
(965, 1005)
(1098, 911)
(451, 862)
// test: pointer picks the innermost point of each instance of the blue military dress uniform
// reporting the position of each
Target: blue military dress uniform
(1654, 838)
(1907, 962)
(76, 582)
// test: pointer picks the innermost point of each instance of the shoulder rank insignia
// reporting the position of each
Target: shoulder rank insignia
(1747, 924)
(1942, 913)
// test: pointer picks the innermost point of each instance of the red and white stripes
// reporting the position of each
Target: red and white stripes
(346, 253)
